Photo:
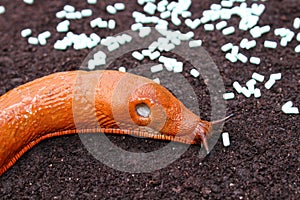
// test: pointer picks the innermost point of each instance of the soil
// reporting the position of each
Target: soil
(261, 163)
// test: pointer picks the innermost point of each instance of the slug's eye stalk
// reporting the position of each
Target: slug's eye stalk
(203, 131)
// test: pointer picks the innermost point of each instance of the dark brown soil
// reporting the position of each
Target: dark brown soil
(261, 163)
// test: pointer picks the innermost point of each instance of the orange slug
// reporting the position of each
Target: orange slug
(121, 103)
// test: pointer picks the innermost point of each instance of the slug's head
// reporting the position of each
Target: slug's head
(153, 107)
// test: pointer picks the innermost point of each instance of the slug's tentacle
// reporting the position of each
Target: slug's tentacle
(89, 102)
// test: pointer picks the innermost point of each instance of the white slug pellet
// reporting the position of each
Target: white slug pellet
(146, 52)
(237, 87)
(221, 25)
(194, 73)
(250, 44)
(215, 6)
(175, 41)
(178, 67)
(228, 96)
(269, 83)
(150, 8)
(45, 34)
(175, 20)
(71, 15)
(26, 32)
(122, 69)
(91, 1)
(225, 139)
(232, 58)
(2, 10)
(288, 108)
(241, 57)
(95, 37)
(60, 45)
(137, 55)
(61, 14)
(119, 6)
(276, 76)
(156, 80)
(144, 31)
(226, 47)
(204, 19)
(127, 37)
(227, 4)
(94, 23)
(258, 77)
(156, 68)
(195, 43)
(136, 26)
(296, 23)
(195, 24)
(209, 27)
(257, 93)
(298, 37)
(228, 30)
(33, 41)
(265, 29)
(246, 92)
(111, 24)
(154, 55)
(28, 1)
(86, 13)
(186, 14)
(111, 10)
(297, 49)
(244, 43)
(63, 26)
(165, 15)
(251, 85)
(235, 50)
(113, 46)
(69, 8)
(254, 60)
(102, 24)
(270, 44)
(255, 32)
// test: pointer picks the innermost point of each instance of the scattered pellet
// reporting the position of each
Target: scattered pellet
(227, 47)
(195, 43)
(194, 73)
(228, 31)
(2, 10)
(28, 1)
(137, 55)
(225, 138)
(269, 83)
(33, 41)
(122, 69)
(255, 60)
(237, 87)
(258, 77)
(288, 108)
(257, 93)
(26, 32)
(270, 44)
(228, 96)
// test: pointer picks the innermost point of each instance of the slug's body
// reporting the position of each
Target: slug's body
(86, 102)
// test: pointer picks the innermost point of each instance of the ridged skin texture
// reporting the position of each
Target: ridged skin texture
(86, 102)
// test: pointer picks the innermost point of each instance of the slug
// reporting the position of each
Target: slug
(104, 101)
